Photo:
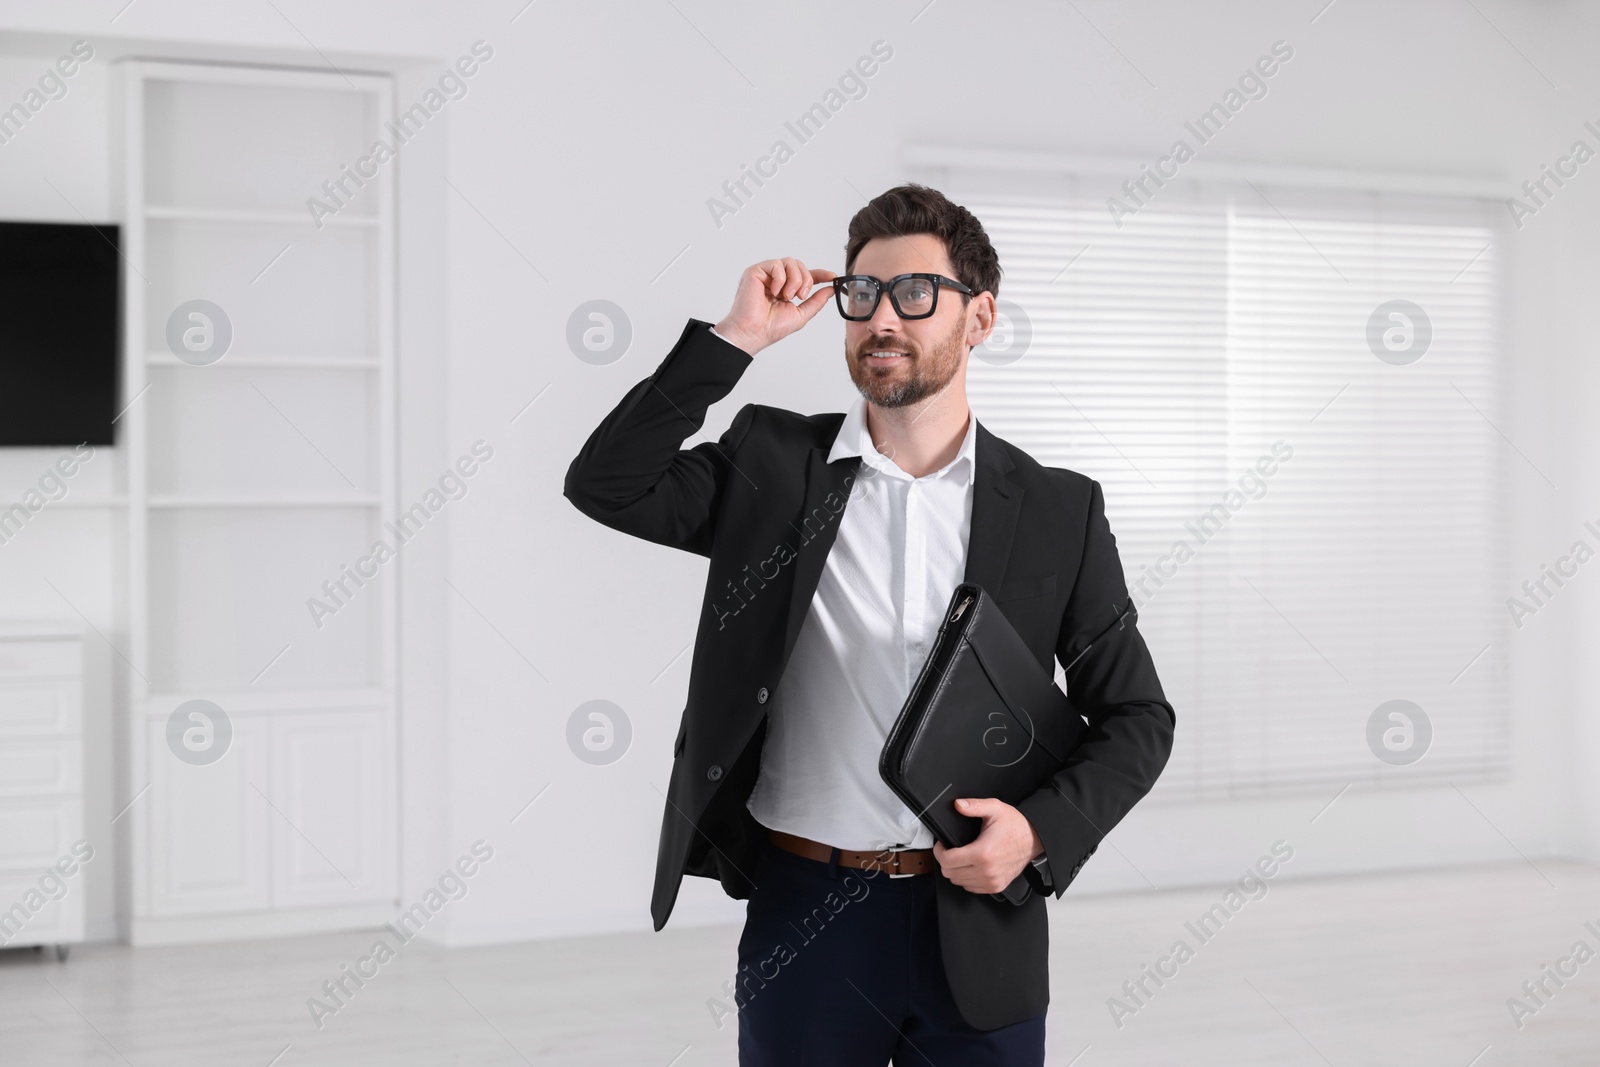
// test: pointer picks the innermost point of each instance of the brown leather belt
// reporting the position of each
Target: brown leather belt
(898, 864)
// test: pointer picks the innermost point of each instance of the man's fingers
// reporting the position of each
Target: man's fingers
(985, 808)
(957, 857)
(783, 280)
(798, 278)
(776, 275)
(786, 278)
(815, 303)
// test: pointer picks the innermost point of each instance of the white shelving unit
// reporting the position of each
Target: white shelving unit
(252, 481)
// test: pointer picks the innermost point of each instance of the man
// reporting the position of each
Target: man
(835, 542)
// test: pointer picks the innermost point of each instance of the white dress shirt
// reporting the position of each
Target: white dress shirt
(900, 551)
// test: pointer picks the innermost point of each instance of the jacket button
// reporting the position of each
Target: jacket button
(761, 695)
(715, 773)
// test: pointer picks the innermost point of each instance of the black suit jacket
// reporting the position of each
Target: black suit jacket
(764, 506)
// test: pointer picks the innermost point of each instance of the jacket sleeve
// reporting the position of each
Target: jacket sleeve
(1112, 681)
(632, 473)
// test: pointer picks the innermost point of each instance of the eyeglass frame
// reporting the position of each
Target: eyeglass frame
(888, 287)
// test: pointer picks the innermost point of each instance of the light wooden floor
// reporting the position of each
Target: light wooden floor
(1409, 969)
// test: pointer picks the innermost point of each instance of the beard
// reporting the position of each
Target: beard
(913, 378)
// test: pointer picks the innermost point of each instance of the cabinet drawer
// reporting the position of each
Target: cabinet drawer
(34, 833)
(40, 707)
(41, 765)
(41, 659)
(40, 909)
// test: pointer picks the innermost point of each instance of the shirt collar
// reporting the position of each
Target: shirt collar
(854, 440)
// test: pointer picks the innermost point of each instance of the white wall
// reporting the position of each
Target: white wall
(585, 152)
(67, 545)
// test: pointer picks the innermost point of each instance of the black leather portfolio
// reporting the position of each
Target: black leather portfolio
(983, 719)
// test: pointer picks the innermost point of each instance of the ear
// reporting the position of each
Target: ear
(980, 318)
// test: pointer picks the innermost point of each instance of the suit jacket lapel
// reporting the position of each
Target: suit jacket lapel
(996, 502)
(813, 541)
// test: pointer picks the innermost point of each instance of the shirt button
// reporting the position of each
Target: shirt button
(714, 773)
(761, 695)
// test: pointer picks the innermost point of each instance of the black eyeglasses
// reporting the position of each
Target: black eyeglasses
(914, 296)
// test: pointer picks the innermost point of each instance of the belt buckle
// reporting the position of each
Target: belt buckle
(894, 860)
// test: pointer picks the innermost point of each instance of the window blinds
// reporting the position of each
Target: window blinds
(1309, 515)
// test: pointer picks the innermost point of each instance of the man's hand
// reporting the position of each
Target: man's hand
(1002, 850)
(763, 311)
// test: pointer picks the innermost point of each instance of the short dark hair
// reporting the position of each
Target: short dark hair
(912, 208)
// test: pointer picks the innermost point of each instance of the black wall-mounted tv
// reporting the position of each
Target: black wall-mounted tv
(59, 333)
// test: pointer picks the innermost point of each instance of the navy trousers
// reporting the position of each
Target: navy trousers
(841, 967)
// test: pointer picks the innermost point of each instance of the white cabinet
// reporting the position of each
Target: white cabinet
(209, 827)
(42, 846)
(329, 776)
(260, 443)
(292, 815)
